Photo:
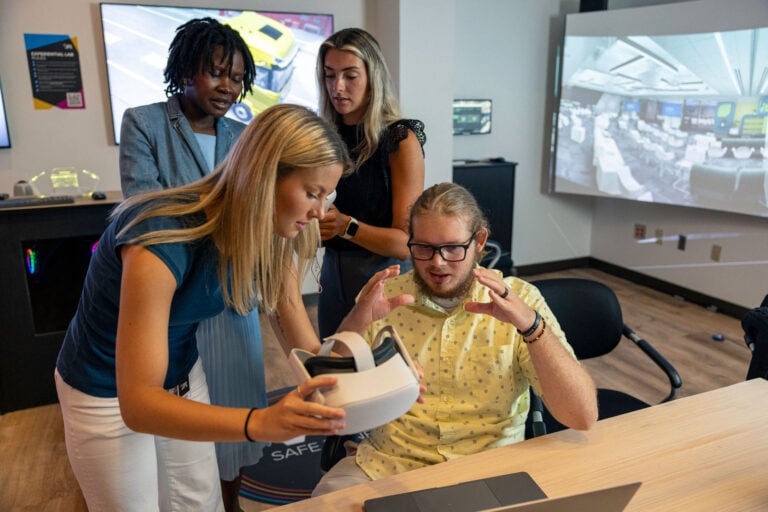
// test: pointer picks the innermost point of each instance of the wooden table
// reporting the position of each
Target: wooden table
(700, 453)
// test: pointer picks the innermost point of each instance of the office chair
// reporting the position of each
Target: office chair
(493, 254)
(590, 315)
(755, 325)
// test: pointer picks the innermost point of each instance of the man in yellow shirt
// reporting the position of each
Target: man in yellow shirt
(481, 340)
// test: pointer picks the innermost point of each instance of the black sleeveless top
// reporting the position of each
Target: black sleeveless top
(367, 193)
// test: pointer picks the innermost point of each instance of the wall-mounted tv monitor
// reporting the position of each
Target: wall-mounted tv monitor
(471, 117)
(5, 134)
(666, 104)
(284, 46)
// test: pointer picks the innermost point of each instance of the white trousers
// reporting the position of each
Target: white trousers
(121, 470)
(343, 474)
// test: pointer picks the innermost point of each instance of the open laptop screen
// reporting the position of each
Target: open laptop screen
(464, 497)
(515, 492)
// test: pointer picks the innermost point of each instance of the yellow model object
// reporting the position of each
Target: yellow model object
(273, 47)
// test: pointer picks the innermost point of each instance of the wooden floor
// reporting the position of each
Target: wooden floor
(35, 473)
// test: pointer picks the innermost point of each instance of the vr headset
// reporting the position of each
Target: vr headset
(373, 386)
(330, 198)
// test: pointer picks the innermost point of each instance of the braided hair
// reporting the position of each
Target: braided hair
(192, 50)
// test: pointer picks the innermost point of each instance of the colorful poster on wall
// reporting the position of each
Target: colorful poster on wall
(54, 70)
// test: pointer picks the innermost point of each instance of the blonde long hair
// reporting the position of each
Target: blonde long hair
(383, 108)
(238, 200)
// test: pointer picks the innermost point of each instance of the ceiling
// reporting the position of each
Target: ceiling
(733, 63)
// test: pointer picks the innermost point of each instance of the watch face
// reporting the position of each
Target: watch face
(352, 228)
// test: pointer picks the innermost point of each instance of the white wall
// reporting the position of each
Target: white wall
(427, 39)
(741, 275)
(417, 39)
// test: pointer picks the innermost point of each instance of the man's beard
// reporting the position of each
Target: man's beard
(459, 290)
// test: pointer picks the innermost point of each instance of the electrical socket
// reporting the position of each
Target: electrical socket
(639, 231)
(716, 252)
(659, 236)
(681, 240)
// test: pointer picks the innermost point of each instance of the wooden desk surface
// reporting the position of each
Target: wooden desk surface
(700, 453)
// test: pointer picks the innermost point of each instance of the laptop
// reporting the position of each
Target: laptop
(609, 499)
(471, 496)
(514, 492)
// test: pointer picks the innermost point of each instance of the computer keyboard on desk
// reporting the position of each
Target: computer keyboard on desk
(19, 202)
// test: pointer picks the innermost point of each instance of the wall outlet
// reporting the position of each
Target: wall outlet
(639, 231)
(659, 236)
(681, 240)
(716, 252)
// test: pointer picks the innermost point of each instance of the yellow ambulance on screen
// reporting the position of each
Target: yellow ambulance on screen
(273, 47)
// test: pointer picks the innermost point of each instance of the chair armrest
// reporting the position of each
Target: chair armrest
(675, 381)
(538, 426)
(494, 250)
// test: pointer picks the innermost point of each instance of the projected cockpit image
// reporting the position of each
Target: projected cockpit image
(677, 118)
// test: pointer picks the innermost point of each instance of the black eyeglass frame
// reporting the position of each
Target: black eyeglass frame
(439, 249)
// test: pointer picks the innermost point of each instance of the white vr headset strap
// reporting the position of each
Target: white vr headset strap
(390, 331)
(361, 352)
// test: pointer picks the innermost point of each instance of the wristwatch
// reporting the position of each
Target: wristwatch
(351, 230)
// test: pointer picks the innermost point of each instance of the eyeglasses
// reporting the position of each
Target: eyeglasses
(451, 253)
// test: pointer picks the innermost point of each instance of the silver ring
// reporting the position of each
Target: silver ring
(505, 294)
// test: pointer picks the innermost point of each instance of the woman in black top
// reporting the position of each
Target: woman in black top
(366, 228)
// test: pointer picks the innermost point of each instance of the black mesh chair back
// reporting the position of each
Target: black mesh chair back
(590, 315)
(588, 312)
(755, 325)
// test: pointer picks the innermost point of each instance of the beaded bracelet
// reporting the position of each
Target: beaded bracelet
(245, 427)
(533, 327)
(537, 338)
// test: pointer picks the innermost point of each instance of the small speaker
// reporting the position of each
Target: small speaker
(593, 5)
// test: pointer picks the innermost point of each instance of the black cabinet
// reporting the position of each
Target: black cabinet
(493, 185)
(44, 254)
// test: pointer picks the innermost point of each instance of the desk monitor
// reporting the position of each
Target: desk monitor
(5, 134)
(471, 117)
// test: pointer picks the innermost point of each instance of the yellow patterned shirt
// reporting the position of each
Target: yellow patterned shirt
(477, 371)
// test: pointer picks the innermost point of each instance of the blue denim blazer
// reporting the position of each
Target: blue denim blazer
(158, 148)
